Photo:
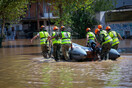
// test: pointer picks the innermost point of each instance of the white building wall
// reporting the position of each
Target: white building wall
(120, 27)
(100, 16)
(121, 3)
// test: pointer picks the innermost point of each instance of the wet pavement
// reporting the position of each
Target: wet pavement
(22, 66)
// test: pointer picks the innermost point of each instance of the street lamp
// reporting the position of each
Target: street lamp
(49, 15)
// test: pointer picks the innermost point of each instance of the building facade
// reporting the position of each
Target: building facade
(121, 3)
(38, 14)
(119, 19)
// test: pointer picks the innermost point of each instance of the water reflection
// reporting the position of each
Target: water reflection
(57, 77)
(81, 75)
(20, 46)
(36, 54)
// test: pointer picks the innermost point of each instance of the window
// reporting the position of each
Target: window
(17, 27)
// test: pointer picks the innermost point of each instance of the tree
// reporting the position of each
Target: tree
(103, 5)
(79, 14)
(84, 16)
(80, 20)
(76, 14)
(62, 9)
(12, 10)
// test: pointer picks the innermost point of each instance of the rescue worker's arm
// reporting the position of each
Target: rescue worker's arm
(97, 42)
(34, 38)
(119, 36)
(48, 39)
(52, 37)
(87, 38)
(101, 39)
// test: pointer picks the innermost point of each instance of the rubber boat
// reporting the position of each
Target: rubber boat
(81, 53)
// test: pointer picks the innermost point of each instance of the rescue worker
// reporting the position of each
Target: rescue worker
(90, 38)
(114, 35)
(66, 42)
(101, 29)
(44, 37)
(56, 41)
(105, 41)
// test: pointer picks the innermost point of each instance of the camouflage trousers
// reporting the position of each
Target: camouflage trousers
(105, 51)
(56, 51)
(115, 46)
(65, 50)
(45, 50)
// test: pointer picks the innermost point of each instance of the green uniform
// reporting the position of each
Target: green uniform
(114, 36)
(105, 41)
(56, 41)
(66, 37)
(103, 31)
(66, 43)
(104, 37)
(44, 43)
(91, 38)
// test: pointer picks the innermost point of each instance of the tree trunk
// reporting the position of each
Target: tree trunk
(38, 25)
(3, 26)
(61, 12)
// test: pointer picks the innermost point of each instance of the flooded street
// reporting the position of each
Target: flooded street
(21, 66)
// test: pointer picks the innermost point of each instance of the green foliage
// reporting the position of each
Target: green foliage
(12, 10)
(103, 5)
(84, 16)
(81, 19)
(67, 7)
(80, 14)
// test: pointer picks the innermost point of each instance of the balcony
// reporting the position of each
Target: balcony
(46, 15)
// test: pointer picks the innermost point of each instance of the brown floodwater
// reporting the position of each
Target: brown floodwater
(22, 66)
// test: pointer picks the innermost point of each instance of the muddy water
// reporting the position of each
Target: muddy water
(22, 66)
